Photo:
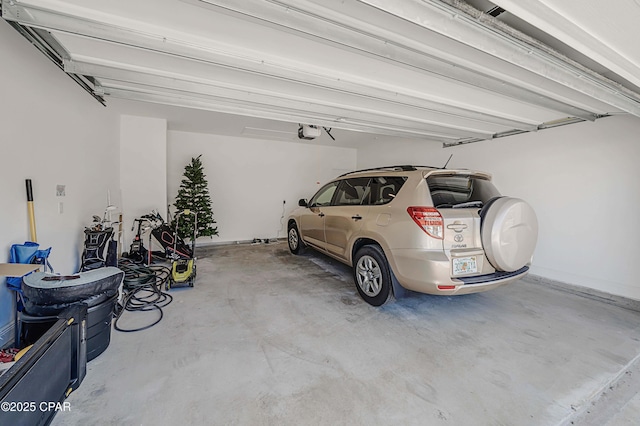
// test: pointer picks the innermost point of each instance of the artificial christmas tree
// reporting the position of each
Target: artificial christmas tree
(194, 195)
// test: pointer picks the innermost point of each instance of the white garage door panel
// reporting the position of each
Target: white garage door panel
(430, 69)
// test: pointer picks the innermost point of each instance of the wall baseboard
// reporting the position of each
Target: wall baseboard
(238, 242)
(623, 302)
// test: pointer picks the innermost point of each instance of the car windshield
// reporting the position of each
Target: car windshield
(460, 191)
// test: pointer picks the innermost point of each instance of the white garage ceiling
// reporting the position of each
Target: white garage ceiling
(439, 70)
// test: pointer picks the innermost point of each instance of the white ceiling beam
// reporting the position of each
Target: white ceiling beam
(233, 106)
(339, 116)
(218, 81)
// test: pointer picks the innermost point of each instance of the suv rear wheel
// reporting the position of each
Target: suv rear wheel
(372, 275)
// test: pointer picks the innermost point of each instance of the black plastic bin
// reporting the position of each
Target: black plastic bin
(99, 318)
(47, 373)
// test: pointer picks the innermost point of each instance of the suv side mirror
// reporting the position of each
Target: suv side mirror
(302, 202)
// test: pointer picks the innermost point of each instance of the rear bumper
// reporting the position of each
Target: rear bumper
(496, 276)
(430, 272)
(485, 282)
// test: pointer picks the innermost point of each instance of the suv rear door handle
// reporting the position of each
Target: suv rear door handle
(356, 217)
(458, 227)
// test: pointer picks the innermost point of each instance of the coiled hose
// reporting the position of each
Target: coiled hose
(142, 291)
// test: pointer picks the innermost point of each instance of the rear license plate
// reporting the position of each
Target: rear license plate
(464, 265)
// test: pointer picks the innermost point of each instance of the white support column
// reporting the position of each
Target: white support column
(143, 169)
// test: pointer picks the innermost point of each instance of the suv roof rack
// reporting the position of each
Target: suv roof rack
(404, 168)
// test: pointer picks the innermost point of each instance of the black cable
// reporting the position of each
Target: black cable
(142, 291)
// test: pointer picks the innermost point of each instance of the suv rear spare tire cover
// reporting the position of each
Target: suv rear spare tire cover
(509, 233)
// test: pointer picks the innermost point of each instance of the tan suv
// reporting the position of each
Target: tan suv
(430, 230)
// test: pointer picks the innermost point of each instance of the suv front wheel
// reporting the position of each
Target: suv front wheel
(372, 275)
(296, 245)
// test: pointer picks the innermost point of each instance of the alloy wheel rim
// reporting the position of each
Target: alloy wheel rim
(369, 276)
(293, 239)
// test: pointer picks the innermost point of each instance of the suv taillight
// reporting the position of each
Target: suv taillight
(429, 219)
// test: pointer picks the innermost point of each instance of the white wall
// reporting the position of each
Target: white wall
(249, 179)
(397, 151)
(582, 180)
(143, 169)
(52, 132)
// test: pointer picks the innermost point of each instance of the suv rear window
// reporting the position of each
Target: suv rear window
(384, 189)
(351, 192)
(367, 191)
(460, 191)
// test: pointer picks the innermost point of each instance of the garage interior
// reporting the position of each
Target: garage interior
(545, 96)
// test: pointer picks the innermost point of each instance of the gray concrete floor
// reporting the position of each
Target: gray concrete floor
(273, 339)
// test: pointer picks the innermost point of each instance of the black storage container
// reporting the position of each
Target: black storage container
(99, 319)
(47, 373)
(98, 327)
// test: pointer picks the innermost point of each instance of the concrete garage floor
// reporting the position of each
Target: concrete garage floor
(269, 338)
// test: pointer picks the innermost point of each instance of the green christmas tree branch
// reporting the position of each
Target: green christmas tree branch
(194, 195)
